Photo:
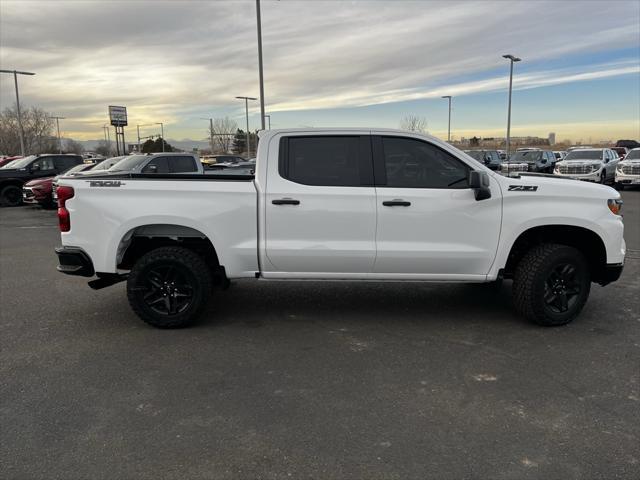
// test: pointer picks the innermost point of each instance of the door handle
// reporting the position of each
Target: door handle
(396, 203)
(286, 201)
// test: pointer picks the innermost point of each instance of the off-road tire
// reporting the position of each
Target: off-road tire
(188, 265)
(10, 196)
(531, 284)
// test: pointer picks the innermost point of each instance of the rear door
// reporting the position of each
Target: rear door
(320, 211)
(430, 225)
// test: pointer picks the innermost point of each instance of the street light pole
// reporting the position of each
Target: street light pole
(58, 128)
(259, 23)
(246, 110)
(20, 129)
(161, 133)
(269, 117)
(512, 59)
(449, 130)
(107, 137)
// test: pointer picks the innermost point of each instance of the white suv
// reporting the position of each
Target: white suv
(591, 164)
(628, 171)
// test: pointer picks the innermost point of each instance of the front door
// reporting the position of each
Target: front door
(320, 208)
(429, 223)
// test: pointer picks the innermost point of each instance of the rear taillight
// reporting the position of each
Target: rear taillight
(64, 219)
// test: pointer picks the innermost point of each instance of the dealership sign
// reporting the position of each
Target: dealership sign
(118, 116)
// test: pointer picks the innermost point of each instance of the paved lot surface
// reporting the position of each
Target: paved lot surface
(311, 380)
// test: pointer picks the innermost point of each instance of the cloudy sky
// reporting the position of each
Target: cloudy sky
(330, 63)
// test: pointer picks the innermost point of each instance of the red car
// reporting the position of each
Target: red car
(39, 190)
(5, 160)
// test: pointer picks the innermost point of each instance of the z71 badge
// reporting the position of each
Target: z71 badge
(523, 188)
(105, 183)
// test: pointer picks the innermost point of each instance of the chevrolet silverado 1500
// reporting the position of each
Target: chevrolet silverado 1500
(342, 204)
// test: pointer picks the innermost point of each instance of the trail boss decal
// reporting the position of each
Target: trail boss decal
(105, 183)
(523, 188)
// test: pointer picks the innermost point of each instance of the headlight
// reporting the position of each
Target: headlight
(615, 205)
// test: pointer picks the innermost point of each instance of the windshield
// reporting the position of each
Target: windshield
(79, 168)
(633, 155)
(128, 163)
(528, 156)
(584, 155)
(21, 162)
(108, 163)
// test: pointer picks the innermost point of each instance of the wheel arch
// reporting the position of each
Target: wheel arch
(143, 238)
(587, 241)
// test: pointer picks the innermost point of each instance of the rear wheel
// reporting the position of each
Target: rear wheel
(551, 284)
(169, 287)
(11, 196)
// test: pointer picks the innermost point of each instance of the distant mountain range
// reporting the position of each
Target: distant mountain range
(185, 144)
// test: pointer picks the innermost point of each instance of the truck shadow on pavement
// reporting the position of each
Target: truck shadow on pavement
(257, 304)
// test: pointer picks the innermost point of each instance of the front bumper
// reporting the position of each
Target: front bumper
(627, 179)
(34, 196)
(74, 261)
(589, 177)
(611, 274)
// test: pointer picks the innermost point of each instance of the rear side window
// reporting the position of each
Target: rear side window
(160, 164)
(182, 164)
(327, 160)
(411, 163)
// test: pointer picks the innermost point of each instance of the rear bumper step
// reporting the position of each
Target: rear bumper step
(74, 261)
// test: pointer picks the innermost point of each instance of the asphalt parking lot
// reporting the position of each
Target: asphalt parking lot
(311, 380)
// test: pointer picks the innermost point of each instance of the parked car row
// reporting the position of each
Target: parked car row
(33, 179)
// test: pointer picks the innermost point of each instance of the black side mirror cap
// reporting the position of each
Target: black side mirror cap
(479, 182)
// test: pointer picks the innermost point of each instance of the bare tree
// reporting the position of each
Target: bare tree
(104, 148)
(38, 129)
(413, 123)
(223, 131)
(71, 146)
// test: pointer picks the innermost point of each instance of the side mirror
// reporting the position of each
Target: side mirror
(34, 168)
(151, 169)
(479, 182)
(544, 160)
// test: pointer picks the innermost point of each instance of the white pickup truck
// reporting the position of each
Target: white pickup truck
(342, 204)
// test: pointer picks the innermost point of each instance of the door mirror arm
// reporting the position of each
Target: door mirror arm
(479, 183)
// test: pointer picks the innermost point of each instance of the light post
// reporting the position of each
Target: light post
(512, 59)
(210, 131)
(246, 111)
(20, 129)
(269, 117)
(107, 137)
(449, 130)
(259, 24)
(57, 119)
(138, 130)
(161, 133)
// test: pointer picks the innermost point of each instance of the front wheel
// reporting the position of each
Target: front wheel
(169, 287)
(551, 284)
(11, 196)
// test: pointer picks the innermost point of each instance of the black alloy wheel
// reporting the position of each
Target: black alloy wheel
(562, 288)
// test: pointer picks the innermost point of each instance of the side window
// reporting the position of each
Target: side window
(44, 163)
(160, 164)
(411, 163)
(182, 164)
(326, 160)
(64, 163)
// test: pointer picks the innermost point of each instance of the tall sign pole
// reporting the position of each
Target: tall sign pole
(20, 129)
(259, 21)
